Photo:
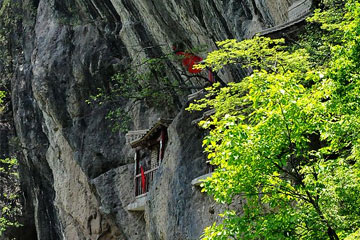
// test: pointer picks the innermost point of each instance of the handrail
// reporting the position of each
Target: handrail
(132, 136)
(148, 171)
(284, 25)
(138, 181)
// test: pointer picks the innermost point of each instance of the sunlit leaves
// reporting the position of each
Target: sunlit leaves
(10, 209)
(287, 137)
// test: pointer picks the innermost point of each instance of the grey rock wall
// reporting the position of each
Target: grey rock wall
(77, 174)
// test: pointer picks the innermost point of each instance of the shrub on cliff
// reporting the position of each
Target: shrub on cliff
(287, 137)
(10, 206)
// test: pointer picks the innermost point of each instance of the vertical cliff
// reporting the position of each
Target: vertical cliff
(77, 174)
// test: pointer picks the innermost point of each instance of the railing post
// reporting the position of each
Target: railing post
(149, 175)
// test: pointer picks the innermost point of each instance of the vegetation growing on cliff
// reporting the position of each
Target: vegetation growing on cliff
(287, 137)
(9, 199)
(10, 207)
(147, 82)
(8, 24)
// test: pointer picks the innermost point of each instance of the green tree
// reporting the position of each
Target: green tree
(287, 137)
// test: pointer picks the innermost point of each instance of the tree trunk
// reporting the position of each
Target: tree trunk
(332, 234)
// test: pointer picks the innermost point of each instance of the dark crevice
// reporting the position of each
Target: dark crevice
(36, 3)
(158, 13)
(199, 13)
(146, 42)
(110, 9)
(93, 12)
(221, 19)
(256, 10)
(175, 28)
(83, 11)
(106, 8)
(247, 11)
(264, 19)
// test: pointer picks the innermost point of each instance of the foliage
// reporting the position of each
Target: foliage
(8, 23)
(10, 206)
(147, 82)
(9, 198)
(150, 84)
(287, 137)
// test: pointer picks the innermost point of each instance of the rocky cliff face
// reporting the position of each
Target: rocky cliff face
(77, 174)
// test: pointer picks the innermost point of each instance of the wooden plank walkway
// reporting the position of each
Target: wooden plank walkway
(297, 12)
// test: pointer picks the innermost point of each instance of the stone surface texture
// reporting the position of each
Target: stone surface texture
(76, 173)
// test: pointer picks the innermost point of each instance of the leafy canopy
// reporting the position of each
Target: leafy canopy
(287, 137)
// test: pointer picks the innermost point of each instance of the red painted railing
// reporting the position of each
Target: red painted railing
(149, 177)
